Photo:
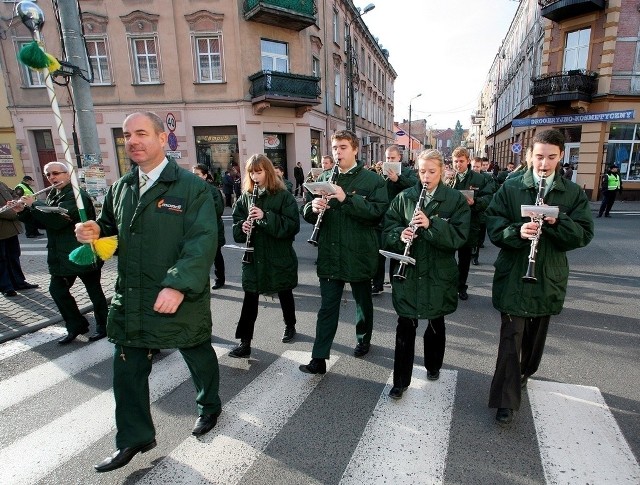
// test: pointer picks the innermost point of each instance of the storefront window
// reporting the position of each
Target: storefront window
(623, 150)
(217, 148)
(124, 164)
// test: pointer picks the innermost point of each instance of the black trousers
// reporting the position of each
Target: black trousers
(74, 320)
(464, 261)
(11, 275)
(434, 344)
(218, 266)
(249, 312)
(608, 198)
(519, 354)
(378, 279)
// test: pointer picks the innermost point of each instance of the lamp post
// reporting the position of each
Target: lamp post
(351, 59)
(410, 141)
(495, 117)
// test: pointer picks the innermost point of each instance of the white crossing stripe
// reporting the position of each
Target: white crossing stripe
(247, 424)
(33, 253)
(406, 441)
(37, 379)
(53, 444)
(578, 437)
(30, 341)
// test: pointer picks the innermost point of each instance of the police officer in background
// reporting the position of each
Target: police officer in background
(610, 185)
(24, 188)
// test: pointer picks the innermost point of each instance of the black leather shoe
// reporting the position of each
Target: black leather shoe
(462, 294)
(204, 424)
(376, 290)
(242, 350)
(433, 376)
(316, 366)
(218, 284)
(121, 457)
(361, 349)
(289, 333)
(70, 337)
(27, 286)
(396, 392)
(475, 261)
(504, 416)
(100, 334)
(10, 293)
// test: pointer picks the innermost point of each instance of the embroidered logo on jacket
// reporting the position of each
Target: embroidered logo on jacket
(170, 205)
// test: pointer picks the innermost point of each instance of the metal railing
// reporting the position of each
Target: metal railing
(576, 84)
(303, 7)
(284, 84)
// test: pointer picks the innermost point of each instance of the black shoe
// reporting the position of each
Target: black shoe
(433, 376)
(316, 366)
(121, 457)
(27, 286)
(205, 423)
(607, 215)
(376, 290)
(462, 294)
(100, 334)
(475, 261)
(218, 284)
(70, 337)
(504, 416)
(599, 215)
(242, 350)
(289, 333)
(361, 349)
(10, 293)
(396, 392)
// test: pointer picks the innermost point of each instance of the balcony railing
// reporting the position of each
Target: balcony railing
(284, 89)
(559, 10)
(558, 87)
(290, 14)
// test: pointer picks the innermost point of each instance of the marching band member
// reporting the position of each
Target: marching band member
(435, 230)
(271, 224)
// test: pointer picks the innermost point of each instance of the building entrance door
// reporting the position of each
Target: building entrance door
(571, 152)
(45, 149)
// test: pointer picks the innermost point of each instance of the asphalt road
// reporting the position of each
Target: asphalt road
(313, 436)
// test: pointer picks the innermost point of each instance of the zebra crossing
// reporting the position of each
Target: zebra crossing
(404, 441)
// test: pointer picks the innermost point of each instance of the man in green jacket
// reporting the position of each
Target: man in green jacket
(347, 246)
(60, 242)
(167, 237)
(526, 306)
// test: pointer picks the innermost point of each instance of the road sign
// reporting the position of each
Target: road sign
(400, 133)
(171, 122)
(516, 148)
(173, 140)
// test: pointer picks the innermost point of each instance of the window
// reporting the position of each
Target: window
(576, 50)
(146, 60)
(363, 106)
(369, 67)
(32, 78)
(336, 29)
(356, 103)
(209, 59)
(370, 110)
(315, 66)
(623, 149)
(375, 75)
(337, 87)
(275, 56)
(99, 61)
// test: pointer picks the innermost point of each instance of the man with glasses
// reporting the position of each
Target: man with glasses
(60, 224)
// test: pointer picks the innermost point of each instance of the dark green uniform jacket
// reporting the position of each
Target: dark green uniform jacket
(407, 178)
(275, 264)
(483, 190)
(431, 287)
(348, 244)
(167, 239)
(218, 201)
(574, 229)
(61, 239)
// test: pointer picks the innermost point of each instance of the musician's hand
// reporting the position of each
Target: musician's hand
(168, 301)
(420, 220)
(391, 175)
(256, 213)
(550, 220)
(246, 227)
(340, 195)
(27, 200)
(16, 205)
(87, 232)
(319, 204)
(406, 235)
(528, 230)
(470, 200)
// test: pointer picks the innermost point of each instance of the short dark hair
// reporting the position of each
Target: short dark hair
(549, 137)
(347, 135)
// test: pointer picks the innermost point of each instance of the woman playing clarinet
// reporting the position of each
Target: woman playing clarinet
(270, 223)
(433, 230)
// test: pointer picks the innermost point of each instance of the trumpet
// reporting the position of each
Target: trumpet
(530, 276)
(310, 177)
(452, 179)
(248, 250)
(316, 228)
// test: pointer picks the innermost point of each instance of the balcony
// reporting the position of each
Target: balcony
(270, 88)
(290, 14)
(559, 10)
(559, 87)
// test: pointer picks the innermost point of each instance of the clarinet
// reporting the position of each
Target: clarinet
(530, 276)
(316, 228)
(402, 267)
(248, 252)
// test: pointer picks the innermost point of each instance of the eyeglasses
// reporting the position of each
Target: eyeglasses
(49, 174)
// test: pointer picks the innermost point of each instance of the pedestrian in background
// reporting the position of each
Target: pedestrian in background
(161, 214)
(610, 185)
(298, 175)
(227, 188)
(271, 225)
(24, 188)
(61, 241)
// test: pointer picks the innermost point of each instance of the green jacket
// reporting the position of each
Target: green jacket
(167, 239)
(407, 178)
(61, 239)
(275, 264)
(483, 190)
(218, 201)
(431, 287)
(348, 244)
(574, 229)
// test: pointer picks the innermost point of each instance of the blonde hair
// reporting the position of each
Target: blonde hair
(257, 163)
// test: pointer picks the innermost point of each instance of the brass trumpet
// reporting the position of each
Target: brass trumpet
(452, 179)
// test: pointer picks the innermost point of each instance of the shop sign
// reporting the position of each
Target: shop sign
(174, 154)
(577, 118)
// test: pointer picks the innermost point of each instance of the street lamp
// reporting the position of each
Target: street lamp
(410, 142)
(351, 59)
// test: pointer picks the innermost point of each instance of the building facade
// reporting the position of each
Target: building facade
(575, 66)
(231, 78)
